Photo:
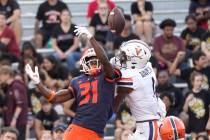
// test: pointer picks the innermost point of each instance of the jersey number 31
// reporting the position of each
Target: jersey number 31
(89, 92)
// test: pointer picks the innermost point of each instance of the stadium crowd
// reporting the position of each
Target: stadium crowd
(176, 59)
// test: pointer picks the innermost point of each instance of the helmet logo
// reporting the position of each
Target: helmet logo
(138, 50)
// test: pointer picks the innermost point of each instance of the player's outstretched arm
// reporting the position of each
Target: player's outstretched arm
(109, 71)
(53, 97)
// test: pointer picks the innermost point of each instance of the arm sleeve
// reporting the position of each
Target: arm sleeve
(15, 5)
(192, 8)
(19, 96)
(39, 14)
(111, 4)
(134, 8)
(93, 21)
(149, 6)
(156, 45)
(90, 10)
(126, 82)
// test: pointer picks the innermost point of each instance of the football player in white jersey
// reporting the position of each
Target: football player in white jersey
(137, 87)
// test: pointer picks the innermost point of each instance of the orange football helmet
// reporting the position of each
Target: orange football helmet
(89, 63)
(172, 128)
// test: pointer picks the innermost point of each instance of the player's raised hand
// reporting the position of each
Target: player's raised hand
(82, 30)
(33, 75)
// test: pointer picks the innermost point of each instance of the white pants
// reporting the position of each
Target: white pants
(146, 131)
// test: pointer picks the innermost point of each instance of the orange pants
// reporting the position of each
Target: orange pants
(75, 132)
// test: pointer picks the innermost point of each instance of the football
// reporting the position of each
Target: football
(116, 21)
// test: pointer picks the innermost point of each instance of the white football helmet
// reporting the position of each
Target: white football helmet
(90, 63)
(133, 54)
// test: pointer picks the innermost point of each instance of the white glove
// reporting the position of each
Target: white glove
(82, 30)
(33, 75)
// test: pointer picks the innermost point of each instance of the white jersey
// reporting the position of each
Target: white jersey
(142, 101)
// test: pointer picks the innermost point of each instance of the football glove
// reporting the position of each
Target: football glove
(33, 75)
(82, 30)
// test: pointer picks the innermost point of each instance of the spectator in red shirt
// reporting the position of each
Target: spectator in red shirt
(11, 8)
(93, 7)
(16, 103)
(167, 45)
(8, 41)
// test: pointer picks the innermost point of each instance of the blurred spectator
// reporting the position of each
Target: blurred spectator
(99, 23)
(33, 93)
(2, 100)
(46, 118)
(192, 34)
(28, 50)
(167, 45)
(30, 126)
(201, 137)
(9, 133)
(197, 106)
(93, 7)
(125, 123)
(64, 41)
(8, 41)
(16, 103)
(69, 109)
(205, 45)
(46, 135)
(168, 101)
(58, 132)
(49, 14)
(56, 74)
(38, 40)
(164, 86)
(142, 12)
(5, 59)
(200, 65)
(201, 9)
(12, 11)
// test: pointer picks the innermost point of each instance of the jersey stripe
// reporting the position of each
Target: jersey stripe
(126, 79)
(124, 83)
(150, 130)
(174, 128)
